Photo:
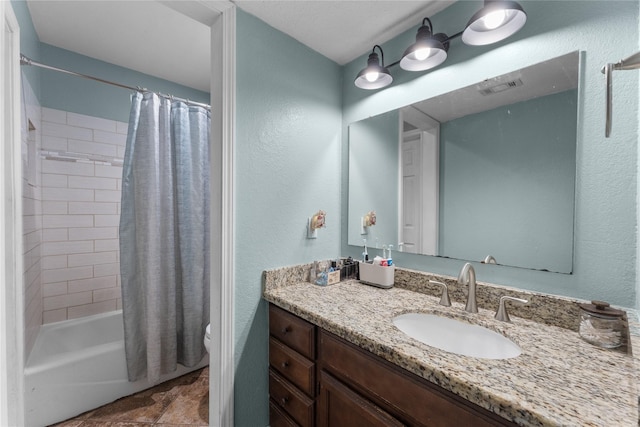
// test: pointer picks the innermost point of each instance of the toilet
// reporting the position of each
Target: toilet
(207, 337)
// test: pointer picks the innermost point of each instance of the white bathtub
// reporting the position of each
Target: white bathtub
(78, 365)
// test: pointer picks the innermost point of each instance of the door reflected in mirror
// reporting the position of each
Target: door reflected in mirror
(488, 169)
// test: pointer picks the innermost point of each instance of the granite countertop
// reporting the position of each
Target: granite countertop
(558, 380)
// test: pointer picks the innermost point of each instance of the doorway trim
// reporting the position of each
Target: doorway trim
(223, 92)
(11, 263)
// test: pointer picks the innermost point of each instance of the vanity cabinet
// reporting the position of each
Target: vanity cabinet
(317, 378)
(292, 369)
(411, 400)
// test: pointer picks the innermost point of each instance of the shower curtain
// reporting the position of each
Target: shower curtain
(164, 236)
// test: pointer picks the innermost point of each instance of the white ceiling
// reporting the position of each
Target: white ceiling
(170, 39)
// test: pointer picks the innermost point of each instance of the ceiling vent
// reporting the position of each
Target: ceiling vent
(501, 87)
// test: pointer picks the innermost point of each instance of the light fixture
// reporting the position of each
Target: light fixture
(429, 50)
(374, 75)
(496, 21)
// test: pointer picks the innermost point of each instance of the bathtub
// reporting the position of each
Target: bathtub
(78, 365)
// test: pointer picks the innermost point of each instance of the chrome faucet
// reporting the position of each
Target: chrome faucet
(467, 276)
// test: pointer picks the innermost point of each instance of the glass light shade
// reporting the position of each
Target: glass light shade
(373, 76)
(423, 55)
(496, 21)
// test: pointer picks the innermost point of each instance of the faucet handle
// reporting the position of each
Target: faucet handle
(502, 314)
(444, 300)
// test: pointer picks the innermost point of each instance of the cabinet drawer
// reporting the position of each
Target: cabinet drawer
(293, 331)
(409, 397)
(291, 400)
(293, 366)
(340, 406)
(279, 418)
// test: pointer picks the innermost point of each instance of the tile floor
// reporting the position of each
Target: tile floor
(183, 401)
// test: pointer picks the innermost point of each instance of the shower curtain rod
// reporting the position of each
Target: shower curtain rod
(24, 60)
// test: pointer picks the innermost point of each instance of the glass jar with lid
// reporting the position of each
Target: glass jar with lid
(601, 325)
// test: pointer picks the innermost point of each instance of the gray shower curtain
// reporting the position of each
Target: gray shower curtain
(164, 236)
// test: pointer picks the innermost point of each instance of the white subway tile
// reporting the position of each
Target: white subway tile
(67, 168)
(92, 208)
(122, 127)
(54, 261)
(109, 137)
(64, 274)
(101, 270)
(86, 147)
(91, 259)
(107, 294)
(32, 258)
(69, 300)
(91, 309)
(121, 152)
(91, 122)
(55, 235)
(107, 220)
(91, 182)
(34, 320)
(119, 306)
(31, 223)
(108, 171)
(67, 194)
(54, 208)
(53, 316)
(108, 195)
(54, 143)
(66, 131)
(65, 221)
(54, 289)
(28, 191)
(55, 116)
(93, 233)
(64, 248)
(28, 206)
(54, 180)
(32, 280)
(92, 284)
(107, 245)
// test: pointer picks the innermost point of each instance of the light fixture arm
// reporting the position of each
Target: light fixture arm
(381, 53)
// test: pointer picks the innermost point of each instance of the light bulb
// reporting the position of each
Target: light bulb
(422, 54)
(371, 76)
(494, 19)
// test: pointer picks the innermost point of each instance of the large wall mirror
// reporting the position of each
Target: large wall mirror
(488, 169)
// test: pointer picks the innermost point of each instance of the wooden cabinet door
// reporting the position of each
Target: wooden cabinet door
(340, 406)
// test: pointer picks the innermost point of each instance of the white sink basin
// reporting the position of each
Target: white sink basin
(456, 337)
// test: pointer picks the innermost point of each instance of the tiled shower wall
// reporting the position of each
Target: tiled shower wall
(81, 183)
(31, 215)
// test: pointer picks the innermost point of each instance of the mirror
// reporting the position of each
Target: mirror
(488, 169)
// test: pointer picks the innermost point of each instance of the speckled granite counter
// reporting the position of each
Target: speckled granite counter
(558, 380)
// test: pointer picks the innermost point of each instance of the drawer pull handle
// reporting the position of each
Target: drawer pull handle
(284, 401)
(285, 330)
(285, 364)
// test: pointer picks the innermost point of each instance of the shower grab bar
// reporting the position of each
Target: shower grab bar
(630, 63)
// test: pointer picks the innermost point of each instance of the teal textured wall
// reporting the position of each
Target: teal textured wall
(288, 141)
(29, 42)
(606, 177)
